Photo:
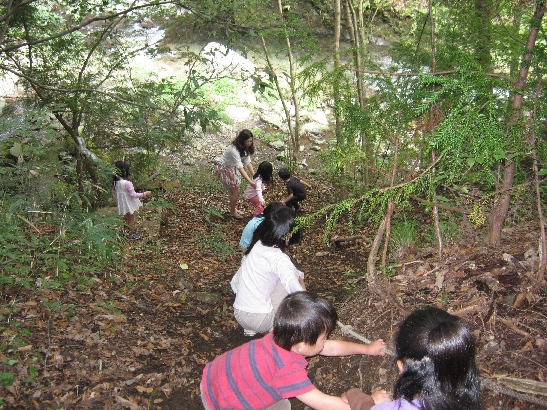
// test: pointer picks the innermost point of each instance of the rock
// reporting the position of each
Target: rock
(508, 258)
(209, 298)
(171, 185)
(278, 145)
(490, 348)
(238, 113)
(220, 60)
(314, 127)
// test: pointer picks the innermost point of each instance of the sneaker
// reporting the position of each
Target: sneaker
(248, 332)
(135, 236)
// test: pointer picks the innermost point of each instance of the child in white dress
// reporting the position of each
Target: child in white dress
(126, 198)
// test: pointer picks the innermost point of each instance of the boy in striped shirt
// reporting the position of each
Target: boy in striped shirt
(264, 373)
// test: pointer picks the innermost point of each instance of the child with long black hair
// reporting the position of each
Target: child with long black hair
(435, 353)
(253, 194)
(126, 198)
(266, 274)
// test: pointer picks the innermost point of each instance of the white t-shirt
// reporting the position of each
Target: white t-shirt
(231, 158)
(256, 278)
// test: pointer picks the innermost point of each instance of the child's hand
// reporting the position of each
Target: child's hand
(377, 347)
(380, 396)
(147, 193)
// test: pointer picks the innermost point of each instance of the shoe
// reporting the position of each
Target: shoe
(135, 236)
(248, 332)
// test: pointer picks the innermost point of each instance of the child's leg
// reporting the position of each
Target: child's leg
(293, 203)
(258, 206)
(129, 219)
(259, 322)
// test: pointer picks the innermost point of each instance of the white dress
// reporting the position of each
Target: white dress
(126, 197)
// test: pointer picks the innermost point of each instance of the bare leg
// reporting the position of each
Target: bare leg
(233, 195)
(129, 219)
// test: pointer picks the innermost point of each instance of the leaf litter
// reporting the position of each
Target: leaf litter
(138, 338)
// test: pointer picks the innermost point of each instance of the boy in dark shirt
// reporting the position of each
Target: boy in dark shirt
(295, 188)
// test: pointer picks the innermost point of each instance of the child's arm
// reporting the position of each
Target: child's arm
(308, 186)
(318, 400)
(244, 175)
(361, 401)
(250, 168)
(284, 202)
(343, 348)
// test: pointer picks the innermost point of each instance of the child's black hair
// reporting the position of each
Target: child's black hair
(265, 171)
(274, 229)
(437, 350)
(271, 207)
(239, 143)
(122, 172)
(284, 174)
(303, 317)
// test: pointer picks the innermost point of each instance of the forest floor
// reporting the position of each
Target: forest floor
(138, 338)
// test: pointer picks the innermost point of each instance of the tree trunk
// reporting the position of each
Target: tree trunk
(501, 205)
(295, 132)
(336, 85)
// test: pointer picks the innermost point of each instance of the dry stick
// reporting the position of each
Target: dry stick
(514, 327)
(543, 238)
(30, 223)
(485, 382)
(492, 385)
(349, 330)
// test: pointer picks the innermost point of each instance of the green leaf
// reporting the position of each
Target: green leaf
(6, 378)
(542, 171)
(16, 150)
(499, 155)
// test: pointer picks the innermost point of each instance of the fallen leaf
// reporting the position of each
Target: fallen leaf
(142, 389)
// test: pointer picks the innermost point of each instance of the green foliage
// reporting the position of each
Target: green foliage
(6, 378)
(83, 243)
(109, 305)
(202, 178)
(270, 137)
(404, 233)
(216, 243)
(450, 230)
(388, 272)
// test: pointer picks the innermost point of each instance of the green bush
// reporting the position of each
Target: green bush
(34, 254)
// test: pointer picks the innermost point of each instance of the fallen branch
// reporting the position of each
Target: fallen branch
(339, 239)
(349, 330)
(492, 385)
(514, 327)
(30, 223)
